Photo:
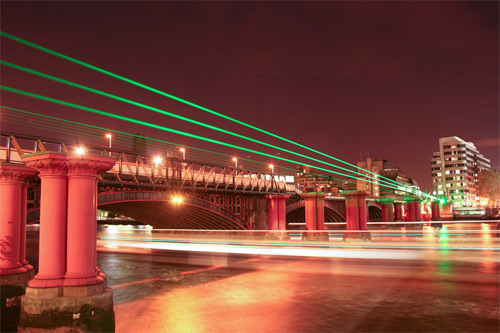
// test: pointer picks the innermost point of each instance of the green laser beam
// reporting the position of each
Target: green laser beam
(170, 114)
(164, 128)
(81, 63)
(70, 130)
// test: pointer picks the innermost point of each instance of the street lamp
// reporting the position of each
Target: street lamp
(177, 199)
(109, 136)
(272, 168)
(183, 153)
(235, 162)
(80, 150)
(157, 160)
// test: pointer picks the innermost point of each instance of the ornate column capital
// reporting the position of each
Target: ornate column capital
(47, 163)
(15, 173)
(88, 166)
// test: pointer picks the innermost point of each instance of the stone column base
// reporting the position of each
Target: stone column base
(12, 288)
(43, 309)
(414, 226)
(315, 236)
(277, 236)
(362, 236)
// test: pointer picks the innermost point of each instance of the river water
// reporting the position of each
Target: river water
(454, 288)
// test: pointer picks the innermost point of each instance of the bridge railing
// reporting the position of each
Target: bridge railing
(135, 168)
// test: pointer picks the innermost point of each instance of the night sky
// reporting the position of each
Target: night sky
(350, 79)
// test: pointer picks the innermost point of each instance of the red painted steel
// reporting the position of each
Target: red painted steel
(12, 226)
(356, 210)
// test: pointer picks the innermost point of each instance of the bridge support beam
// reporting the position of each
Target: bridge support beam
(68, 292)
(413, 213)
(276, 207)
(398, 212)
(356, 216)
(387, 209)
(315, 216)
(436, 213)
(15, 271)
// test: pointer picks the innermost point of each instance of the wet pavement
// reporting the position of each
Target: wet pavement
(442, 283)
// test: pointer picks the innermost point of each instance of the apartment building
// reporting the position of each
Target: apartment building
(455, 168)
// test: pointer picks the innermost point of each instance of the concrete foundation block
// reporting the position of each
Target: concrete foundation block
(315, 236)
(68, 314)
(362, 236)
(277, 236)
(84, 291)
(44, 293)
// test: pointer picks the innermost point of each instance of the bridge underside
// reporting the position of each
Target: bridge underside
(299, 215)
(331, 215)
(375, 213)
(162, 215)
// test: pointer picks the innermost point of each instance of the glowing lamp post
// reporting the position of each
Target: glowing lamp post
(272, 168)
(235, 160)
(157, 160)
(177, 200)
(109, 136)
(183, 150)
(80, 150)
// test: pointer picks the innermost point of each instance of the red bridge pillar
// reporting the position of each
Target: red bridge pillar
(315, 216)
(276, 207)
(436, 213)
(277, 211)
(68, 281)
(413, 212)
(435, 210)
(356, 215)
(15, 272)
(52, 245)
(398, 212)
(387, 209)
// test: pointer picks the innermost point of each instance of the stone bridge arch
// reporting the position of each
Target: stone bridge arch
(158, 210)
(374, 211)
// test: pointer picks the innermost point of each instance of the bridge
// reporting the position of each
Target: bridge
(138, 186)
(64, 182)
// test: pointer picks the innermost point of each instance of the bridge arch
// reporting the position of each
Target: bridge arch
(374, 211)
(158, 210)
